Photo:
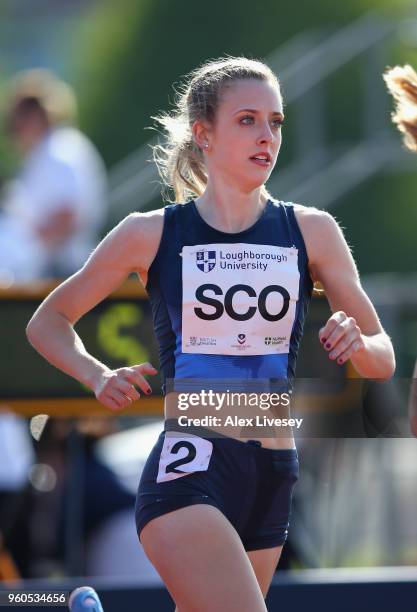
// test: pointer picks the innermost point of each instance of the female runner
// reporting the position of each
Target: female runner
(229, 275)
(402, 85)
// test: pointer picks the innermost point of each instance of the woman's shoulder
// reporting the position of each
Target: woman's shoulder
(148, 226)
(138, 235)
(312, 220)
(309, 212)
(143, 223)
(321, 232)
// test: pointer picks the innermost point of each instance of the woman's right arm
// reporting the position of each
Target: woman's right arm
(129, 247)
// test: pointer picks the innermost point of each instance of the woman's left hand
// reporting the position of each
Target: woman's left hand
(341, 337)
(358, 336)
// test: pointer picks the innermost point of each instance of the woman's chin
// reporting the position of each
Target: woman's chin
(251, 186)
(257, 179)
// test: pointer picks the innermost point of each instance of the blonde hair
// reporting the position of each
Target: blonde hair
(402, 84)
(180, 161)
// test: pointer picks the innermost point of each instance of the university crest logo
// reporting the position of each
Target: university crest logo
(206, 260)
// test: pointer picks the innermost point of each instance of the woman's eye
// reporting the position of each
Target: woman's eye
(247, 120)
(277, 123)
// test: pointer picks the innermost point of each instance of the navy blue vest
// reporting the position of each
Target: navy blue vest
(183, 226)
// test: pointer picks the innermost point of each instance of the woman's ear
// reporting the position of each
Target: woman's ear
(201, 135)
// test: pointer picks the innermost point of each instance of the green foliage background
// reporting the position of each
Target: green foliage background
(127, 54)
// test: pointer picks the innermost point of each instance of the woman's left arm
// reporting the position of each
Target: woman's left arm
(353, 331)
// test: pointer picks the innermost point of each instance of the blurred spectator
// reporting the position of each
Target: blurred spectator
(401, 82)
(54, 209)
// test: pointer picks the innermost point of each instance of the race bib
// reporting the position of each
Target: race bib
(238, 299)
(182, 455)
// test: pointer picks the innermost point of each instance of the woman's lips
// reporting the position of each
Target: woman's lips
(264, 163)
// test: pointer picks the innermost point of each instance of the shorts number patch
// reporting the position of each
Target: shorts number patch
(182, 455)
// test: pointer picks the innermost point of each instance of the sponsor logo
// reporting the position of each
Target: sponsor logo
(206, 260)
(274, 340)
(202, 341)
(241, 338)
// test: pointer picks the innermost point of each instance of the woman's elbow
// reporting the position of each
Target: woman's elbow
(37, 328)
(389, 366)
(32, 329)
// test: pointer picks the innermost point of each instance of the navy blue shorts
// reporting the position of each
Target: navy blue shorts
(251, 485)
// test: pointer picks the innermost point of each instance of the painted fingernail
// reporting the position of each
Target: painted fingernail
(332, 355)
(323, 340)
(148, 391)
(340, 361)
(328, 345)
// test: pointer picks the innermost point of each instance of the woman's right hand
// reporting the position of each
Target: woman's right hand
(128, 249)
(116, 389)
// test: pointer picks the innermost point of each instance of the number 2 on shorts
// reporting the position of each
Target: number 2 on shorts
(182, 455)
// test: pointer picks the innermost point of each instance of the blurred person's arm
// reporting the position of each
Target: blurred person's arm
(128, 248)
(412, 402)
(353, 331)
(58, 197)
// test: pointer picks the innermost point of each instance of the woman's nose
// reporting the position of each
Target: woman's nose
(266, 135)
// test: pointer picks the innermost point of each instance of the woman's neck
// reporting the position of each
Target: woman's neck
(229, 210)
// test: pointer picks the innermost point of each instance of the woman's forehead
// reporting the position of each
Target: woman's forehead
(252, 94)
